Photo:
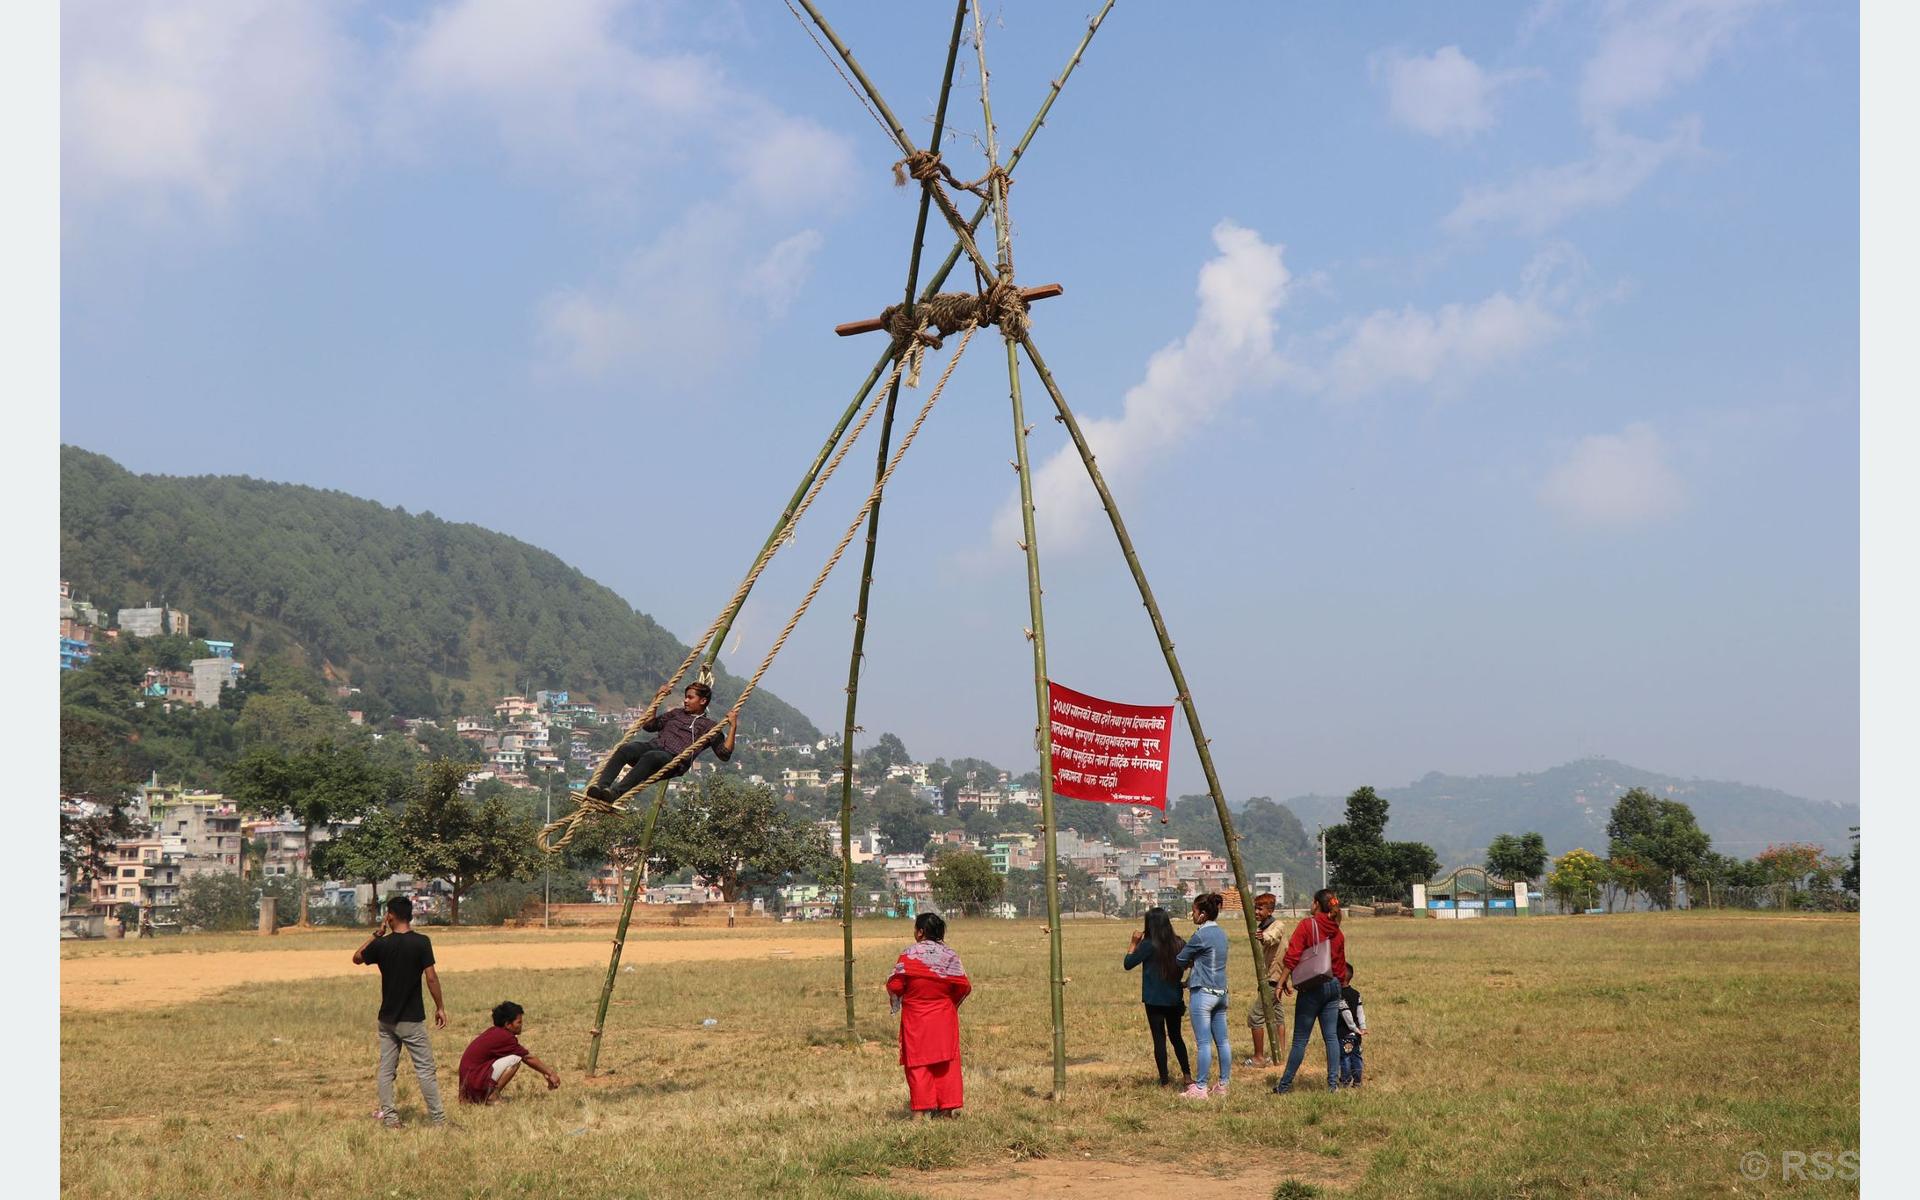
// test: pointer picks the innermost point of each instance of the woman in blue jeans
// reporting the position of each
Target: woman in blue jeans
(1318, 941)
(1207, 997)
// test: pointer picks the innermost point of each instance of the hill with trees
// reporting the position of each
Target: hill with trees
(1460, 816)
(429, 618)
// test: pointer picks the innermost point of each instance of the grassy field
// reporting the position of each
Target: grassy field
(1634, 1055)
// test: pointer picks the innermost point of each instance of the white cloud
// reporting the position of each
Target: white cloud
(683, 304)
(1444, 94)
(1228, 350)
(1648, 48)
(562, 87)
(1615, 480)
(1455, 341)
(198, 100)
(1542, 198)
(1443, 348)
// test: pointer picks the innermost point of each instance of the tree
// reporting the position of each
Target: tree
(1850, 880)
(733, 833)
(448, 836)
(321, 786)
(96, 769)
(1362, 861)
(902, 818)
(367, 853)
(889, 751)
(1515, 857)
(218, 903)
(1577, 879)
(1650, 841)
(965, 880)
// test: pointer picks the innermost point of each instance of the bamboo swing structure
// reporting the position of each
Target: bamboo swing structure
(996, 301)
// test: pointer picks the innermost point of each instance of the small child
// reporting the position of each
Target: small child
(495, 1056)
(1353, 1030)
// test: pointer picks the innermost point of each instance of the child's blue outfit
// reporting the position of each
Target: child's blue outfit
(1353, 1030)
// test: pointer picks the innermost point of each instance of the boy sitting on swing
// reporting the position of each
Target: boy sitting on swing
(676, 731)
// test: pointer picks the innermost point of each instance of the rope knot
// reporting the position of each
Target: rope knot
(921, 165)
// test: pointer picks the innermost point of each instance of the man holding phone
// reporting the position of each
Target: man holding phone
(405, 959)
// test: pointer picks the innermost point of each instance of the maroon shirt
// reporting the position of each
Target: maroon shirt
(678, 729)
(476, 1065)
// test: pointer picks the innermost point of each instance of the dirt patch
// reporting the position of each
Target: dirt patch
(110, 981)
(1044, 1177)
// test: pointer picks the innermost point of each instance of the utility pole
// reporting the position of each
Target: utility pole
(1323, 856)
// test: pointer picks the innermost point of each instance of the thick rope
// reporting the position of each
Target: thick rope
(753, 574)
(586, 808)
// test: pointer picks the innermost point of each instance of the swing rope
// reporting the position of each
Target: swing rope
(586, 807)
(760, 563)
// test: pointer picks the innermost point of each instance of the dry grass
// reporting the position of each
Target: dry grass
(1631, 1055)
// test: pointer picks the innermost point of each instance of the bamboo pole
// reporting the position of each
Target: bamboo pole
(1043, 727)
(819, 460)
(1200, 743)
(960, 227)
(933, 287)
(620, 933)
(866, 567)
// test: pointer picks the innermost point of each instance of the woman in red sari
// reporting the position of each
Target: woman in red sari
(928, 984)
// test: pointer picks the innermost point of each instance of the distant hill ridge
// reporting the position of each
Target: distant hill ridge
(1568, 805)
(434, 617)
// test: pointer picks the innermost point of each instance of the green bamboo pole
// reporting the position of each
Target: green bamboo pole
(820, 459)
(873, 538)
(1200, 743)
(933, 287)
(1056, 974)
(620, 934)
(960, 227)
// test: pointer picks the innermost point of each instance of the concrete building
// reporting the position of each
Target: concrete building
(1271, 881)
(211, 676)
(907, 875)
(201, 830)
(153, 622)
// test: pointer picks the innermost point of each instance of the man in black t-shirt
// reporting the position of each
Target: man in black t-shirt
(405, 959)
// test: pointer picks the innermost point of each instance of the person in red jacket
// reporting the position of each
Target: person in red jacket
(1314, 966)
(493, 1058)
(927, 985)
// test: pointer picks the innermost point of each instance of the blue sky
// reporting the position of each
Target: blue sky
(1480, 383)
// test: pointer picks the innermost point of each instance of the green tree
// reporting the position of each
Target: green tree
(97, 769)
(733, 833)
(1650, 841)
(903, 819)
(217, 903)
(1360, 858)
(321, 786)
(1517, 856)
(965, 880)
(1851, 878)
(1578, 878)
(367, 853)
(447, 836)
(889, 751)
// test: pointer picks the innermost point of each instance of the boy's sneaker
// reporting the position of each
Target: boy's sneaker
(1218, 1090)
(1194, 1092)
(1281, 1087)
(596, 792)
(389, 1118)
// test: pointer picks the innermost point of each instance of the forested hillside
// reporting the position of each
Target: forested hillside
(431, 617)
(1569, 804)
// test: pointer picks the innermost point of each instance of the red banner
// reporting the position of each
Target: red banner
(1112, 753)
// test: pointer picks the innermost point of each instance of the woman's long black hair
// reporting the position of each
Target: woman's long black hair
(1166, 944)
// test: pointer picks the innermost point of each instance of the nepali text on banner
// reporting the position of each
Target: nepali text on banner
(1109, 752)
